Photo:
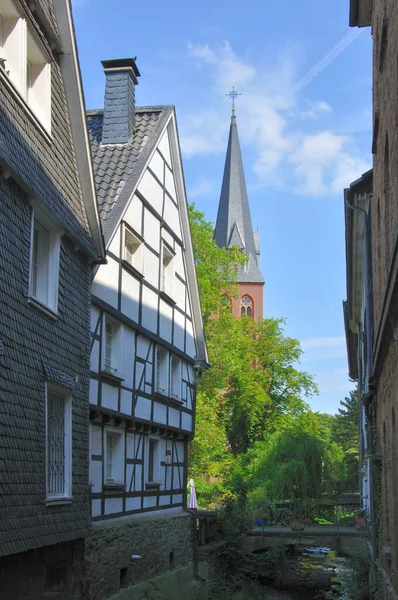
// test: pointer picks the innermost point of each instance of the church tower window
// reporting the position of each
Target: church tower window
(246, 306)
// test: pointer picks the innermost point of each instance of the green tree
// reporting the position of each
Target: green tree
(346, 435)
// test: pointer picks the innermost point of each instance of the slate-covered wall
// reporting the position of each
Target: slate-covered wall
(30, 338)
(164, 543)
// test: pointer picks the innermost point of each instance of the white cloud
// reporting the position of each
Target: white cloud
(271, 122)
(203, 188)
(324, 348)
(316, 109)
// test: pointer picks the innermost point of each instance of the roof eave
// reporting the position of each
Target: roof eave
(360, 13)
(70, 68)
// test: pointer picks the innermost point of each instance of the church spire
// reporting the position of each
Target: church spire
(234, 225)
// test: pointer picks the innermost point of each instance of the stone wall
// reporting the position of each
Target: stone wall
(49, 573)
(165, 544)
(384, 223)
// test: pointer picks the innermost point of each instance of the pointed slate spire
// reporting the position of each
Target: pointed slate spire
(234, 224)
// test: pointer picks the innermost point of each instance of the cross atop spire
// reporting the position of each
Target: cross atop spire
(232, 94)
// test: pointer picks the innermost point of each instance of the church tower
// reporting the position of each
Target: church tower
(234, 227)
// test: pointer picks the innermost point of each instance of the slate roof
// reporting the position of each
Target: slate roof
(118, 167)
(234, 225)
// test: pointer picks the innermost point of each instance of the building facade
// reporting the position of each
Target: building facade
(234, 228)
(147, 345)
(380, 366)
(50, 238)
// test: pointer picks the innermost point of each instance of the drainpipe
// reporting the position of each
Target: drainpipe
(367, 397)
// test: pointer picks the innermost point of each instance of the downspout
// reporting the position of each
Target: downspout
(367, 397)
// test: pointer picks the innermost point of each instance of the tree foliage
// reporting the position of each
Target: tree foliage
(255, 434)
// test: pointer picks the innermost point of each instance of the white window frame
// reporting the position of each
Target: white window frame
(136, 259)
(155, 480)
(45, 296)
(175, 377)
(167, 270)
(53, 390)
(18, 48)
(118, 452)
(162, 371)
(114, 365)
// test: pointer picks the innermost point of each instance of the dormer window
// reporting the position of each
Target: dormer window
(132, 250)
(246, 306)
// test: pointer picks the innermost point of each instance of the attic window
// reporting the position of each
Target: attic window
(132, 250)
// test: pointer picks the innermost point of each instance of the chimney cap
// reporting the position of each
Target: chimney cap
(122, 64)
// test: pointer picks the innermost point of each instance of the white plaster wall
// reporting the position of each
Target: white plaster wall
(190, 343)
(95, 508)
(176, 477)
(133, 215)
(93, 392)
(149, 309)
(159, 413)
(139, 376)
(137, 483)
(166, 321)
(149, 501)
(151, 191)
(157, 166)
(152, 230)
(115, 244)
(113, 505)
(186, 422)
(95, 476)
(151, 268)
(142, 346)
(109, 396)
(163, 500)
(95, 439)
(133, 503)
(94, 316)
(94, 357)
(179, 321)
(105, 285)
(130, 295)
(127, 362)
(179, 294)
(169, 184)
(177, 498)
(174, 417)
(179, 264)
(164, 147)
(168, 238)
(143, 408)
(126, 399)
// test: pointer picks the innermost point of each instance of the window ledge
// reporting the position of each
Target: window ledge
(114, 487)
(43, 308)
(152, 485)
(168, 398)
(21, 100)
(133, 270)
(167, 297)
(61, 501)
(111, 377)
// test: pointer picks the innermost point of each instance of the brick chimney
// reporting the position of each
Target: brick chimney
(119, 106)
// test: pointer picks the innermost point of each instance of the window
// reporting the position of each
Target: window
(175, 376)
(44, 262)
(114, 456)
(167, 271)
(58, 443)
(112, 343)
(168, 374)
(24, 63)
(153, 461)
(132, 249)
(246, 306)
(162, 371)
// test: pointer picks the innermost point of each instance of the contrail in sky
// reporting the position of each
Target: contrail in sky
(327, 60)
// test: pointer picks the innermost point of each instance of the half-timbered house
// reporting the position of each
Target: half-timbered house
(147, 341)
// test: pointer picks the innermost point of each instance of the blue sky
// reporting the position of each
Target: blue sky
(304, 121)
